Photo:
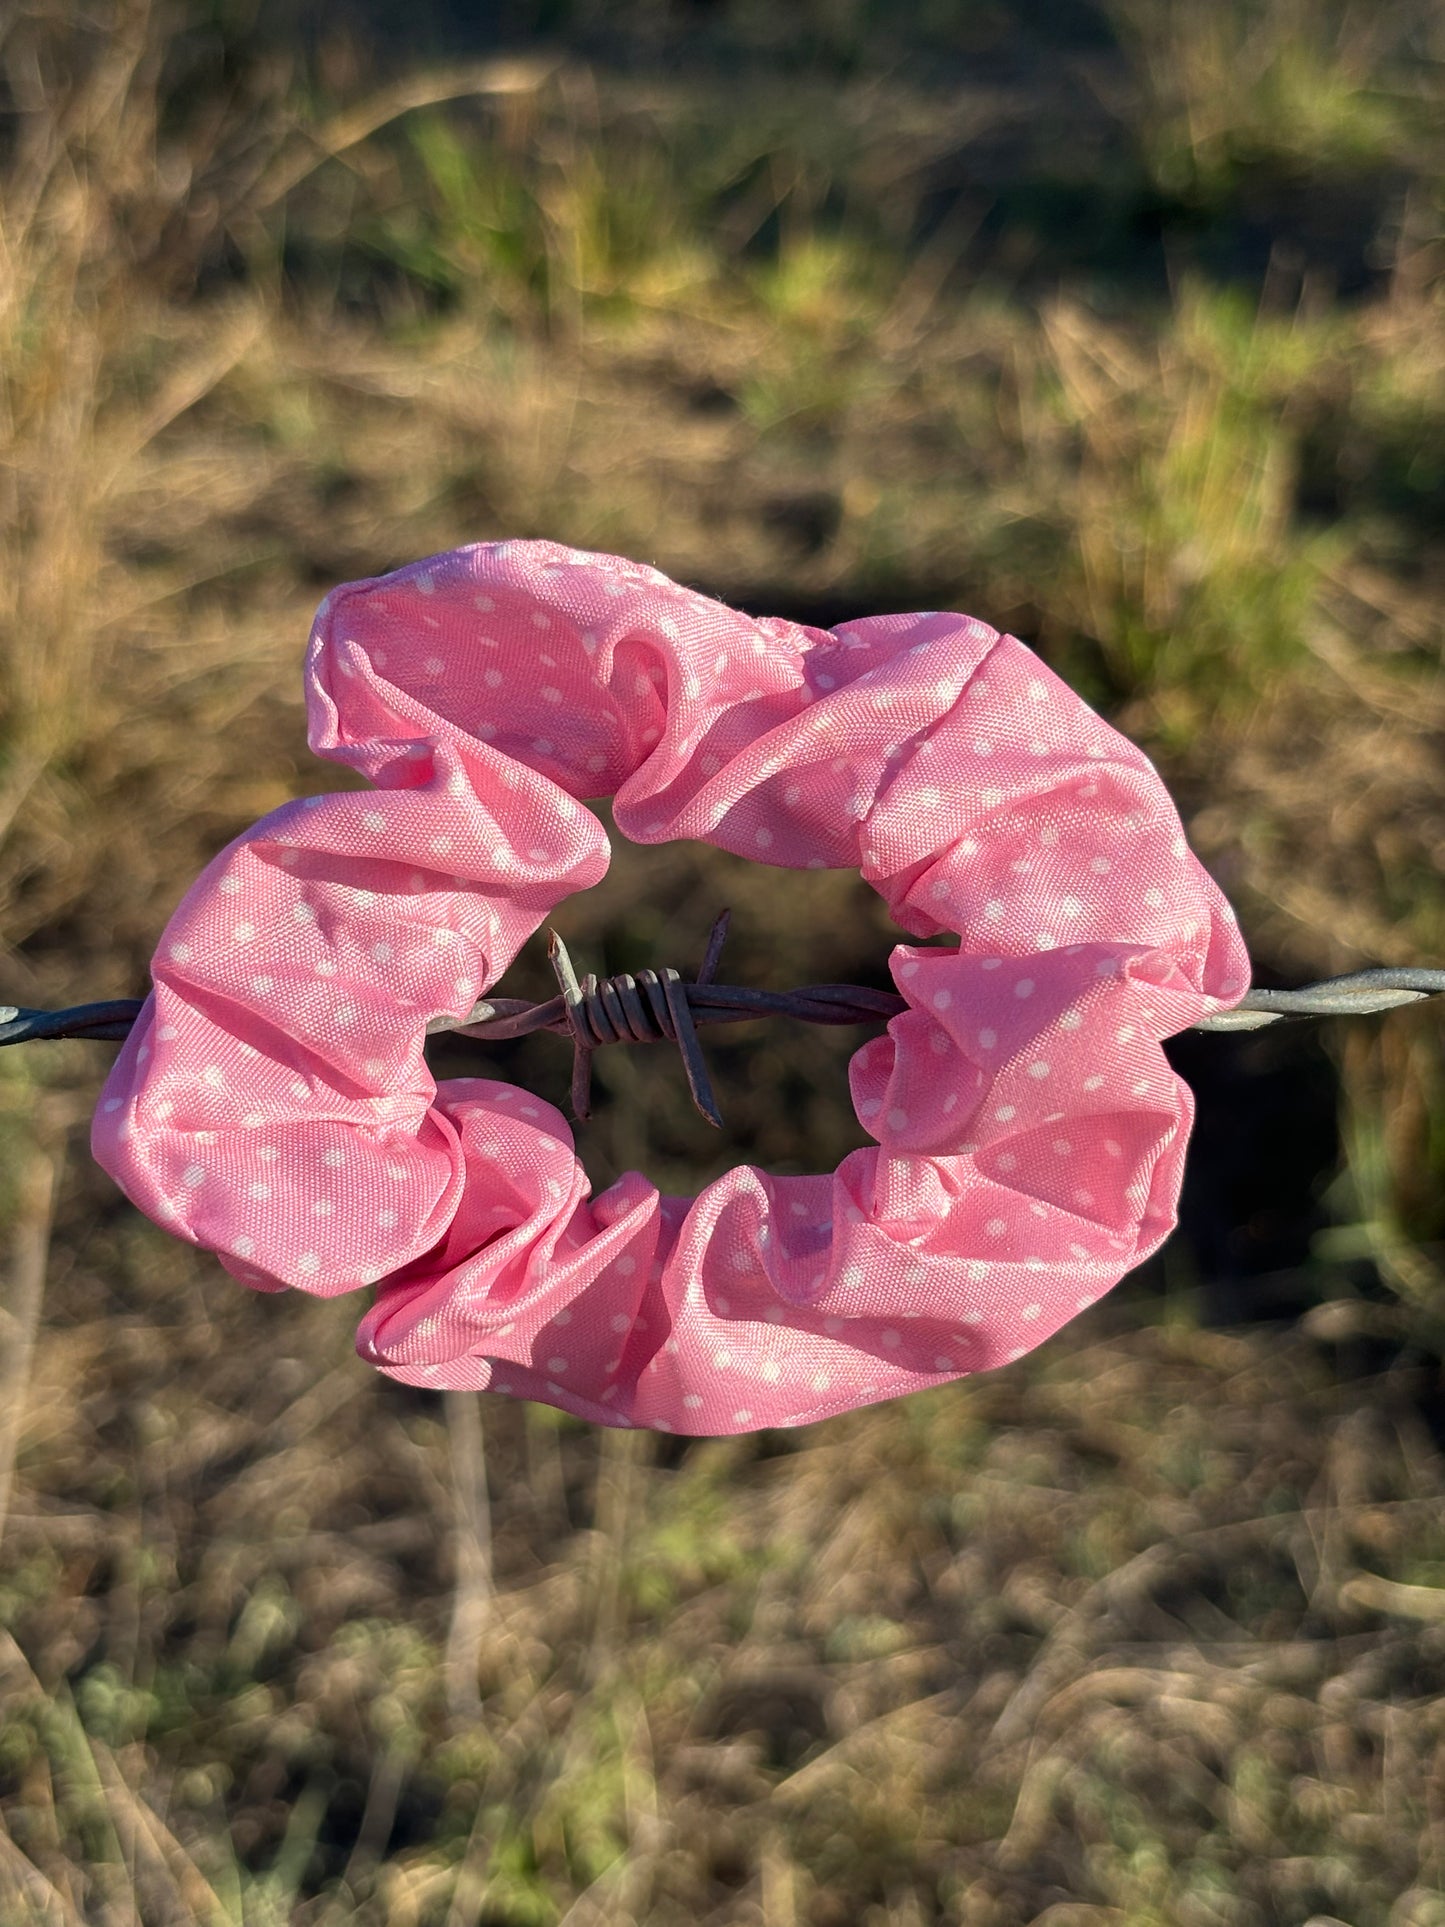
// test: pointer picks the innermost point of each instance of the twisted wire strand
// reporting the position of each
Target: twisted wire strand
(1359, 993)
(657, 1006)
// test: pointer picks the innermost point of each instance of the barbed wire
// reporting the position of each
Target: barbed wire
(655, 1006)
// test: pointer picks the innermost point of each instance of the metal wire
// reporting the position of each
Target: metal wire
(1358, 994)
(112, 1020)
(657, 1006)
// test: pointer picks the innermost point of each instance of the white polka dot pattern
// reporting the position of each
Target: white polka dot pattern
(273, 1105)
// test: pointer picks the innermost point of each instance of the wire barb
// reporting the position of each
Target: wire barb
(612, 1012)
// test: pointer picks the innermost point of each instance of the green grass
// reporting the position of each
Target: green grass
(1307, 91)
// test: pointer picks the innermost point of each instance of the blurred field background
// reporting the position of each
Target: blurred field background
(1116, 324)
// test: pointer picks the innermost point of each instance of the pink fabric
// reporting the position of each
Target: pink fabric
(273, 1104)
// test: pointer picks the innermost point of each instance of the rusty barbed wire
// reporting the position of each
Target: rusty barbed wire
(656, 1006)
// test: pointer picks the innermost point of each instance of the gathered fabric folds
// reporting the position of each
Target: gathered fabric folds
(273, 1105)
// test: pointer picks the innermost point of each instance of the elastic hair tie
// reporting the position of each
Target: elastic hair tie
(272, 1103)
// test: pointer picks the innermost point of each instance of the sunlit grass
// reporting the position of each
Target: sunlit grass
(1197, 577)
(1311, 88)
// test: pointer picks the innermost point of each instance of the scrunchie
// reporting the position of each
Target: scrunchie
(273, 1104)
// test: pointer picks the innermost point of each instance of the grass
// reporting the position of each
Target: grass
(1145, 1629)
(1316, 92)
(938, 1692)
(1190, 559)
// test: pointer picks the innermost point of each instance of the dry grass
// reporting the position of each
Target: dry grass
(1146, 1630)
(1151, 1622)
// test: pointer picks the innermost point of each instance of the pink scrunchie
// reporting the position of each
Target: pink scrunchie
(272, 1103)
